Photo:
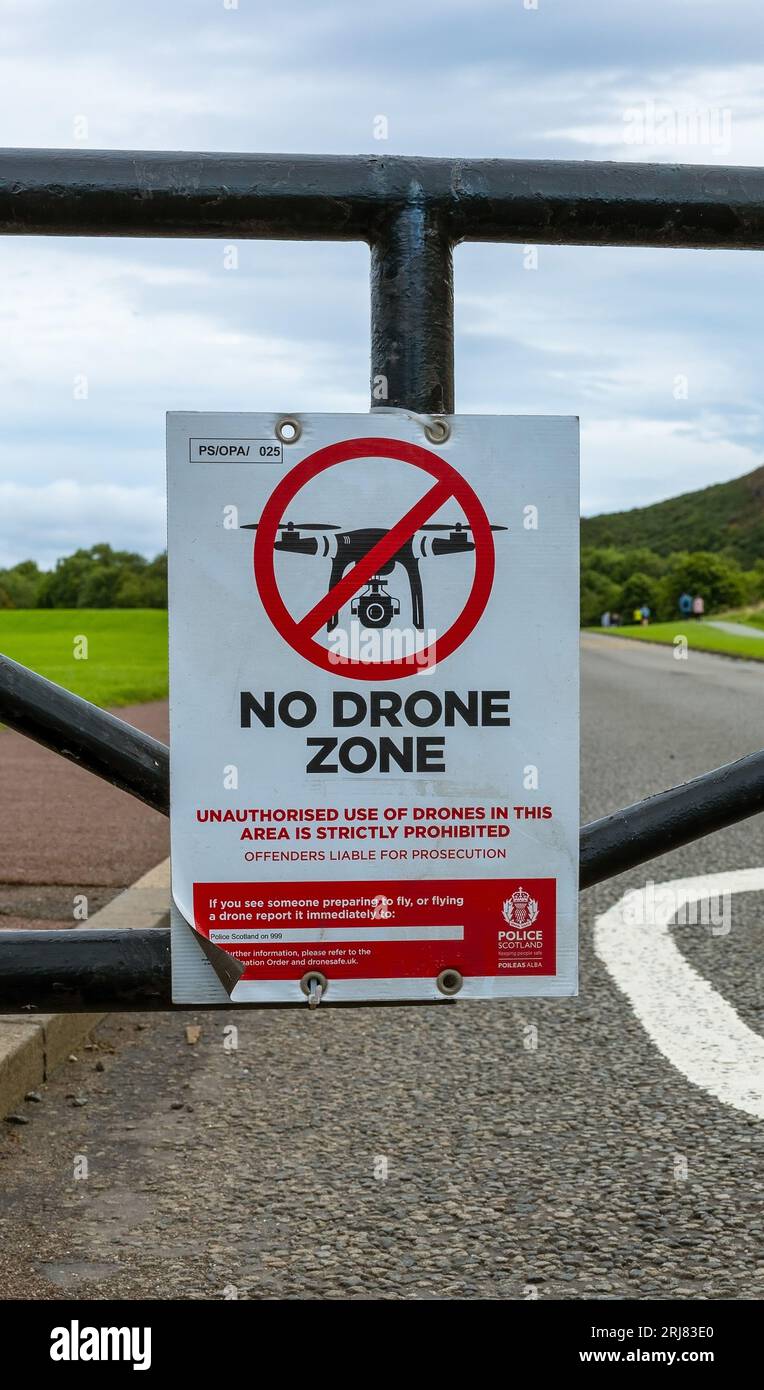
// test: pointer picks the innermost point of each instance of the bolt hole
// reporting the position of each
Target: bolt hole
(314, 977)
(449, 981)
(438, 431)
(288, 430)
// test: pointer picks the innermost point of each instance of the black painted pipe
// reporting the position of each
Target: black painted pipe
(671, 819)
(85, 970)
(84, 734)
(412, 315)
(313, 197)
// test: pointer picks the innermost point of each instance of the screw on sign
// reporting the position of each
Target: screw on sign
(364, 557)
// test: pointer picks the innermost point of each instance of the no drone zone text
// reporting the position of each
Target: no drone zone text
(422, 709)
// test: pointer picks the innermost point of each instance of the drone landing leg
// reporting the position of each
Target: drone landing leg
(411, 567)
(339, 565)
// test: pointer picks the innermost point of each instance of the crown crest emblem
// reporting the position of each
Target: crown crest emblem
(521, 910)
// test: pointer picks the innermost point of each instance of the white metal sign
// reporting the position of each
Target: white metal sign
(373, 707)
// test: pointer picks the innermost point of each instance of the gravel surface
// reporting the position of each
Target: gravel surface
(424, 1152)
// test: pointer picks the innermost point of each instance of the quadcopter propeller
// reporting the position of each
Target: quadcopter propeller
(459, 526)
(294, 526)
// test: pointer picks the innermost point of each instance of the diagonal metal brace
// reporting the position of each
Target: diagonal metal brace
(85, 734)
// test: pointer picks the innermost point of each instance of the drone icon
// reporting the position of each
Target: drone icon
(374, 606)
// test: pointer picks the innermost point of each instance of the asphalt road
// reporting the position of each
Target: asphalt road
(426, 1153)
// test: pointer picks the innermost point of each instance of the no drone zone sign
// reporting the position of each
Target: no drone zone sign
(373, 707)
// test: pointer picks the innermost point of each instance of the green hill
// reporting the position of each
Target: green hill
(726, 517)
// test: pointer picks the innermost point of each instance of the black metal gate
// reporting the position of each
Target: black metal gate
(411, 212)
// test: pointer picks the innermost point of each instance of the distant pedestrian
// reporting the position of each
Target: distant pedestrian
(698, 607)
(645, 611)
(605, 620)
(637, 615)
(685, 604)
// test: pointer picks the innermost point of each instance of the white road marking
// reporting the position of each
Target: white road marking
(690, 1023)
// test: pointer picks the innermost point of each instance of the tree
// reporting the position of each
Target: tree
(637, 590)
(99, 586)
(141, 591)
(20, 585)
(105, 578)
(599, 595)
(717, 580)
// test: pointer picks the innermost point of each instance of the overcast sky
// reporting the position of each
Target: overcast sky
(156, 325)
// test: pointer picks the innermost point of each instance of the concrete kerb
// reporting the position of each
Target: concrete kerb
(32, 1048)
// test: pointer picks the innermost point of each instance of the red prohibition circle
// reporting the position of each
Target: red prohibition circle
(453, 485)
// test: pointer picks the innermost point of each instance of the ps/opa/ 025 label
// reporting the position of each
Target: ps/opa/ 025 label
(235, 451)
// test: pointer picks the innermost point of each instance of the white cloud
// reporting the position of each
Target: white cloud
(157, 325)
(654, 459)
(707, 115)
(45, 522)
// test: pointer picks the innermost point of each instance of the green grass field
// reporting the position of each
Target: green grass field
(126, 650)
(700, 637)
(126, 659)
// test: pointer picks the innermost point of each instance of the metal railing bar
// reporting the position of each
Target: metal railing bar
(85, 969)
(85, 734)
(310, 197)
(88, 970)
(671, 818)
(412, 314)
